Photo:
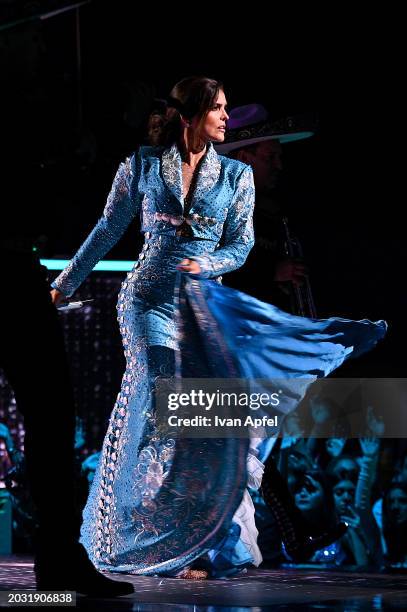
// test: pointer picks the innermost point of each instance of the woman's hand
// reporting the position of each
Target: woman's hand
(190, 266)
(57, 297)
(334, 446)
(370, 446)
(351, 518)
(376, 424)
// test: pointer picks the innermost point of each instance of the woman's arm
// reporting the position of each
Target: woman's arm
(238, 236)
(121, 206)
(367, 474)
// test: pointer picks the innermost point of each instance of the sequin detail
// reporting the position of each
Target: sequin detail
(189, 219)
(143, 514)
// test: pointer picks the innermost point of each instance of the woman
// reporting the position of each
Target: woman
(314, 498)
(361, 543)
(395, 525)
(158, 504)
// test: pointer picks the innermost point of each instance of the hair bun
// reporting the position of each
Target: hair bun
(174, 103)
(159, 106)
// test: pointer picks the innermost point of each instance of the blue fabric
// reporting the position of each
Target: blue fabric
(273, 342)
(158, 503)
(149, 185)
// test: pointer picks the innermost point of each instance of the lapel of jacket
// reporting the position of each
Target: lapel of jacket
(208, 175)
(172, 172)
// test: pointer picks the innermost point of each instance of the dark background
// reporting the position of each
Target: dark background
(75, 121)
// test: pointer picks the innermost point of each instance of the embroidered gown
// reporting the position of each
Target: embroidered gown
(158, 503)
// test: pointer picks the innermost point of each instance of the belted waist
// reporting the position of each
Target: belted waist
(193, 219)
(152, 236)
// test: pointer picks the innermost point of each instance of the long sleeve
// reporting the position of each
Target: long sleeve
(121, 207)
(365, 482)
(238, 236)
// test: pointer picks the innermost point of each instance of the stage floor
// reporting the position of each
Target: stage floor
(261, 589)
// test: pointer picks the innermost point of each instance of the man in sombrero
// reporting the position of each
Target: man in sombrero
(255, 139)
(270, 274)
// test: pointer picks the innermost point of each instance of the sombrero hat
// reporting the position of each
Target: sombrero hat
(251, 123)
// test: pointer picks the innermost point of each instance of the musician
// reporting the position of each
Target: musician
(273, 273)
(276, 257)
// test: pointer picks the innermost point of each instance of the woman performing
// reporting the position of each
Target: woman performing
(160, 504)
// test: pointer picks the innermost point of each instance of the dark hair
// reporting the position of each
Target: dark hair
(343, 473)
(191, 97)
(395, 535)
(326, 515)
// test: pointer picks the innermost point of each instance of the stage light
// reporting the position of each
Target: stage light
(101, 266)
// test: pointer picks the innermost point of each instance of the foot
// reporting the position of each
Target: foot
(75, 572)
(193, 574)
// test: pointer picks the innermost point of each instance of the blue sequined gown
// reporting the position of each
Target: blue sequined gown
(157, 504)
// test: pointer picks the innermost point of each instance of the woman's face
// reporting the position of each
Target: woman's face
(292, 425)
(344, 495)
(397, 505)
(321, 410)
(311, 495)
(214, 126)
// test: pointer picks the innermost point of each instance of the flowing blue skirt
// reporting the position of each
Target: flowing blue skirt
(158, 503)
